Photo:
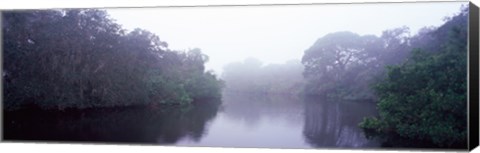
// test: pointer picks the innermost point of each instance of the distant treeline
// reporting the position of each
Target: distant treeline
(80, 58)
(251, 76)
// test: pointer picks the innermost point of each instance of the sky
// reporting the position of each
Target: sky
(274, 34)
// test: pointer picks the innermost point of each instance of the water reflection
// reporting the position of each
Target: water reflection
(280, 121)
(330, 123)
(261, 121)
(267, 121)
(251, 108)
(128, 125)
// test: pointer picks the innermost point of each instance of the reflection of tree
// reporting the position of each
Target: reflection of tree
(129, 125)
(251, 108)
(335, 124)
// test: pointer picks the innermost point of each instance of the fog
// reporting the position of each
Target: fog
(361, 76)
(273, 34)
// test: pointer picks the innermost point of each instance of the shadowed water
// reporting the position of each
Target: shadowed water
(242, 120)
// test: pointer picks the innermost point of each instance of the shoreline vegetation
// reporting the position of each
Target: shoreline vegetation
(58, 59)
(74, 60)
(425, 97)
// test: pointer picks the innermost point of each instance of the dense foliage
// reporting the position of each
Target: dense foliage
(251, 76)
(424, 98)
(59, 59)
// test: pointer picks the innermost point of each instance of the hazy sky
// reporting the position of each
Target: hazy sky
(274, 34)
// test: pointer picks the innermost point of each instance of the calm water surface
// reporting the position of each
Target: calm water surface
(240, 121)
(286, 122)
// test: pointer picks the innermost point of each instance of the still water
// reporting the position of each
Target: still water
(239, 121)
(286, 122)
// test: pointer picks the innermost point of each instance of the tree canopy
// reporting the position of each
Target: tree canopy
(425, 97)
(344, 64)
(80, 58)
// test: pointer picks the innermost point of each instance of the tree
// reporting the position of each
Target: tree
(80, 58)
(424, 98)
(339, 61)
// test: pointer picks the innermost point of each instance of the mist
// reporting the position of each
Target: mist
(391, 75)
(273, 34)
